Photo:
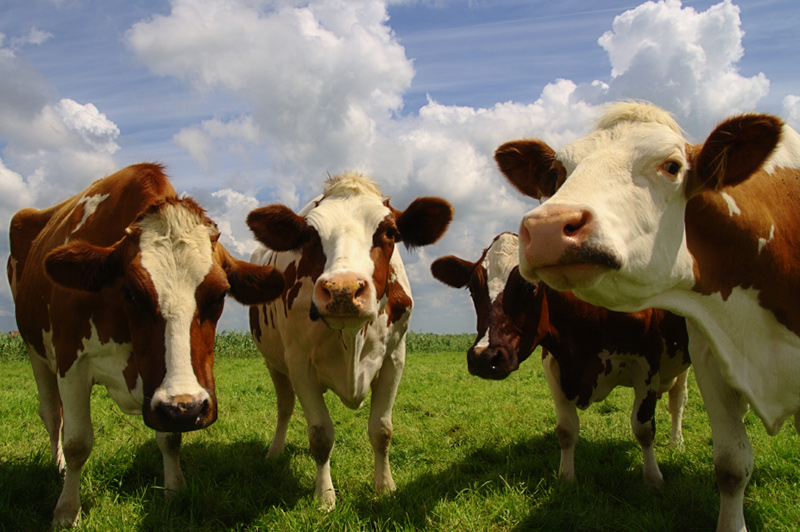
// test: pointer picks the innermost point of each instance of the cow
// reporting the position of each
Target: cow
(341, 321)
(122, 285)
(587, 351)
(639, 217)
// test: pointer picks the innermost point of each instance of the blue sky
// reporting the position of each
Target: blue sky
(250, 102)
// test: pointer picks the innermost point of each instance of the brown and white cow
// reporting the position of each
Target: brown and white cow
(638, 217)
(587, 351)
(341, 321)
(122, 285)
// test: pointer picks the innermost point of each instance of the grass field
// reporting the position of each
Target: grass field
(467, 455)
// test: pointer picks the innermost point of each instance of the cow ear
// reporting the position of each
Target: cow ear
(83, 266)
(452, 271)
(278, 227)
(424, 221)
(733, 152)
(530, 166)
(250, 284)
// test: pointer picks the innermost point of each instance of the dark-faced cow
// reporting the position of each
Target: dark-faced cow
(122, 285)
(640, 218)
(342, 319)
(587, 350)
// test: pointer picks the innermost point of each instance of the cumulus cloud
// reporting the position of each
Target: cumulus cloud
(682, 60)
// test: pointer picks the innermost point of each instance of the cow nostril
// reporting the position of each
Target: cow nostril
(361, 288)
(575, 226)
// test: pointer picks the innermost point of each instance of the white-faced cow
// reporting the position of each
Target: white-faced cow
(122, 285)
(637, 217)
(341, 321)
(586, 351)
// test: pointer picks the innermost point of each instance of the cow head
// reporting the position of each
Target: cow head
(170, 275)
(348, 235)
(612, 229)
(507, 307)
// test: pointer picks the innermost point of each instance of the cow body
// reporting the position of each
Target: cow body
(122, 286)
(587, 350)
(341, 321)
(638, 217)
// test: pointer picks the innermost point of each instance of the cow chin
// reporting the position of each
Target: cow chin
(574, 276)
(180, 417)
(348, 322)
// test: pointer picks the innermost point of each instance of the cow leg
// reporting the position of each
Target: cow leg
(643, 424)
(285, 400)
(49, 407)
(733, 454)
(75, 389)
(320, 437)
(384, 391)
(568, 423)
(170, 445)
(678, 397)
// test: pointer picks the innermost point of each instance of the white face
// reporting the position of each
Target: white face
(346, 226)
(622, 180)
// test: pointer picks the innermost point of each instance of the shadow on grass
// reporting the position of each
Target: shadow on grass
(227, 486)
(608, 494)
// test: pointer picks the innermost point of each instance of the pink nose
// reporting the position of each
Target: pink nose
(549, 231)
(341, 295)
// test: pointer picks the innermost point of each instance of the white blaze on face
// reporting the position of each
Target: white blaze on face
(176, 252)
(501, 257)
(346, 220)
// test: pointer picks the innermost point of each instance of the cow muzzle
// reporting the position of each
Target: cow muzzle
(343, 301)
(180, 413)
(492, 362)
(559, 245)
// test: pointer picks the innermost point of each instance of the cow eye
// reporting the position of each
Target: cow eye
(671, 167)
(392, 233)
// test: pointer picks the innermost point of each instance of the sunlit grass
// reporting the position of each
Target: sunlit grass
(467, 455)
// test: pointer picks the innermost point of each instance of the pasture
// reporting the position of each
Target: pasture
(467, 455)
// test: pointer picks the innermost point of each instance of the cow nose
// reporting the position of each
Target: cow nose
(490, 362)
(549, 231)
(183, 408)
(341, 295)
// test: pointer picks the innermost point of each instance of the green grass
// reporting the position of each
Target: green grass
(467, 455)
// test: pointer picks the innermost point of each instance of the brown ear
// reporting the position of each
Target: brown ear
(278, 227)
(83, 266)
(529, 165)
(452, 271)
(424, 221)
(733, 152)
(250, 284)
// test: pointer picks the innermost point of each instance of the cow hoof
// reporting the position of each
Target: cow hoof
(326, 502)
(387, 486)
(654, 482)
(66, 520)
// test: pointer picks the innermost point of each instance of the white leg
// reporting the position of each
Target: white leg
(678, 397)
(568, 423)
(320, 437)
(285, 400)
(733, 454)
(643, 424)
(49, 406)
(170, 445)
(384, 391)
(75, 389)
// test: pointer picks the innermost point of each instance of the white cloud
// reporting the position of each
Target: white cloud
(791, 110)
(199, 141)
(682, 60)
